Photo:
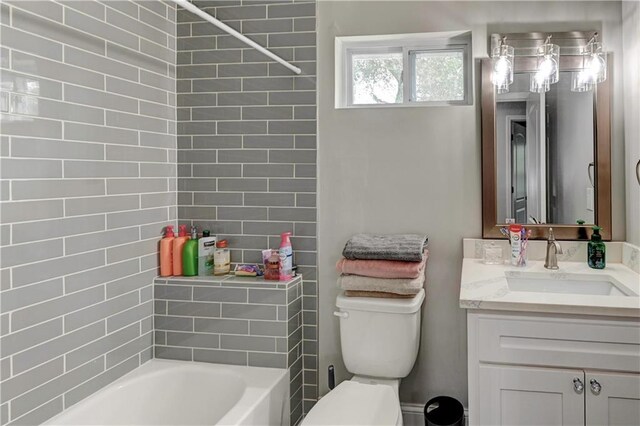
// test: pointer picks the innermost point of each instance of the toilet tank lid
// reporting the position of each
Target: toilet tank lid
(375, 304)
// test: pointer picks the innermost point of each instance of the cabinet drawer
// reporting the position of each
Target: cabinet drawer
(562, 342)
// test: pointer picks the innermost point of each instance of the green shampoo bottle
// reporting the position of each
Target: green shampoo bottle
(190, 255)
(596, 250)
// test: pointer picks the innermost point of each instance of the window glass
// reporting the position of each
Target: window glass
(438, 76)
(376, 78)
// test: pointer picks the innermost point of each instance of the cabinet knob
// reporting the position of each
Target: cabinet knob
(595, 386)
(578, 386)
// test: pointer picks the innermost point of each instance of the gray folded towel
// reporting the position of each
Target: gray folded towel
(406, 247)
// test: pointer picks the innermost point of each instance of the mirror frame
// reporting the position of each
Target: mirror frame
(602, 155)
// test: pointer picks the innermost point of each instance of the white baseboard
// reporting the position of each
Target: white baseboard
(413, 414)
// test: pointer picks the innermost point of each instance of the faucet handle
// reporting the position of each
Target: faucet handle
(551, 237)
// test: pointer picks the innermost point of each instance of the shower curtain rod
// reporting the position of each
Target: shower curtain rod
(195, 10)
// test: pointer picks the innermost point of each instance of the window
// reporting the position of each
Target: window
(403, 70)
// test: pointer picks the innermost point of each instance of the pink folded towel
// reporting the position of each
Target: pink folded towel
(382, 268)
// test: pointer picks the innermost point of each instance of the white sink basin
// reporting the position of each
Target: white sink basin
(596, 286)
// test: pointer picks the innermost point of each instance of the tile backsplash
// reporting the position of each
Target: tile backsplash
(88, 180)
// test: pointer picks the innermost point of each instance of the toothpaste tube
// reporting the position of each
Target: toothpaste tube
(515, 237)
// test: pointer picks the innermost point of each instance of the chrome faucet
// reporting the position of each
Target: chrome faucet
(553, 249)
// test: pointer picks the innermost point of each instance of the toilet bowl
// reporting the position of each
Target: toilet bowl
(380, 340)
(353, 403)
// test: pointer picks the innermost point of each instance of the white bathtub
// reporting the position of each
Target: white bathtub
(163, 392)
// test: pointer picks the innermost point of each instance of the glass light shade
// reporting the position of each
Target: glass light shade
(548, 69)
(580, 81)
(537, 84)
(595, 62)
(502, 62)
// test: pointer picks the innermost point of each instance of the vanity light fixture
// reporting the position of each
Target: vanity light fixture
(548, 69)
(502, 62)
(594, 67)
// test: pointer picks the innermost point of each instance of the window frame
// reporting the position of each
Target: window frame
(408, 44)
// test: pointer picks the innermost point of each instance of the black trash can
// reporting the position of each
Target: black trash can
(443, 411)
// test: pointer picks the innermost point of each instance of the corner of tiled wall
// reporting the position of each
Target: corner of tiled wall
(88, 180)
(247, 138)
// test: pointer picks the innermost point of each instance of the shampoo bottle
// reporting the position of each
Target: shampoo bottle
(596, 250)
(190, 255)
(166, 252)
(178, 246)
(286, 257)
(206, 250)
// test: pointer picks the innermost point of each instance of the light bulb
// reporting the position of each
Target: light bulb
(547, 67)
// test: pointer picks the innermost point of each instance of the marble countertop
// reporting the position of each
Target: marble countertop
(485, 287)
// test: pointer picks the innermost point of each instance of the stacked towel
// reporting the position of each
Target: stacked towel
(383, 265)
(406, 247)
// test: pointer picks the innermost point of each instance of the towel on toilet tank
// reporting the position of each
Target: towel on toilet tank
(385, 285)
(383, 268)
(405, 247)
(377, 294)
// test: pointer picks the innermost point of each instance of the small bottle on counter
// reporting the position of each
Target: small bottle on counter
(272, 268)
(596, 250)
(222, 258)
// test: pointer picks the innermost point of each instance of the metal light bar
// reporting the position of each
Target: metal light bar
(224, 27)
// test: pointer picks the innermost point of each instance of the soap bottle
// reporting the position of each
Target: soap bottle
(222, 258)
(286, 257)
(178, 246)
(190, 255)
(166, 252)
(596, 250)
(206, 250)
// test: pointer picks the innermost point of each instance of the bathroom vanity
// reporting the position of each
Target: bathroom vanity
(553, 347)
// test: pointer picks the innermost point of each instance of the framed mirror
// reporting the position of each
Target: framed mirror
(546, 157)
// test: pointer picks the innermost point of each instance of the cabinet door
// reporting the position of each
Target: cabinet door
(513, 396)
(612, 399)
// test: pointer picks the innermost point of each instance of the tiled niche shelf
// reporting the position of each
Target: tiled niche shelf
(232, 320)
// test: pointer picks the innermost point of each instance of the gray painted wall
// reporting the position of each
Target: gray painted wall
(631, 52)
(88, 182)
(247, 138)
(418, 169)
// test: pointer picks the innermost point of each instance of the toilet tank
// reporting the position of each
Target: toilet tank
(380, 337)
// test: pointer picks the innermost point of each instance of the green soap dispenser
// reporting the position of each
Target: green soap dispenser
(190, 255)
(596, 250)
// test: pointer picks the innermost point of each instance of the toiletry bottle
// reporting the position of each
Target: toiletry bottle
(206, 250)
(582, 231)
(286, 257)
(596, 250)
(516, 242)
(222, 258)
(190, 255)
(178, 246)
(272, 269)
(166, 252)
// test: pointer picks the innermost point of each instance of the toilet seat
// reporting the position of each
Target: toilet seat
(352, 403)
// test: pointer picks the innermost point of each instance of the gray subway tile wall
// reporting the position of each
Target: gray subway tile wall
(247, 154)
(88, 181)
(233, 320)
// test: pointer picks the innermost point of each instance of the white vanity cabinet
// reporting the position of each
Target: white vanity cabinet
(550, 369)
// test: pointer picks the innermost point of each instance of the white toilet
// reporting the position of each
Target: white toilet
(380, 340)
